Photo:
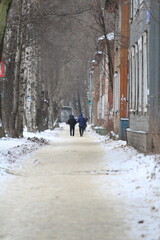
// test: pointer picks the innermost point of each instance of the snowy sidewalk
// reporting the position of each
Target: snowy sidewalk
(77, 188)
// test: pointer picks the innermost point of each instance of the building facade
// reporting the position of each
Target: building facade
(144, 73)
(120, 79)
(102, 93)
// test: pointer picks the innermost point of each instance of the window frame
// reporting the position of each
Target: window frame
(140, 75)
(145, 72)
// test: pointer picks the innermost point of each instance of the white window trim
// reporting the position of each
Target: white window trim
(133, 78)
(116, 92)
(130, 79)
(136, 77)
(145, 73)
(140, 75)
(131, 9)
(135, 6)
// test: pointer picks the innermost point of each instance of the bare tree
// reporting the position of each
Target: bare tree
(15, 56)
(46, 49)
(104, 15)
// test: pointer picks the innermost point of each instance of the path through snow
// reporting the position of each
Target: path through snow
(80, 188)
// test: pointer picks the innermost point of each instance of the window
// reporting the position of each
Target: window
(116, 94)
(130, 79)
(140, 59)
(138, 75)
(140, 1)
(131, 10)
(145, 74)
(133, 79)
(135, 6)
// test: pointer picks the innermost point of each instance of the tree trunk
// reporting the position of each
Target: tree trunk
(79, 103)
(4, 7)
(14, 112)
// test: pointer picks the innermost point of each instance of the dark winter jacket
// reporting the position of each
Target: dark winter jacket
(72, 121)
(82, 121)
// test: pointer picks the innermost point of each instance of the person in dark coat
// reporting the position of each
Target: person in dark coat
(86, 122)
(72, 122)
(82, 124)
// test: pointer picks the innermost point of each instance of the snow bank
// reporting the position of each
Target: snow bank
(12, 149)
(136, 181)
(128, 157)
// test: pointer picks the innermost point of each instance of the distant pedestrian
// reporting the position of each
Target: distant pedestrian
(86, 122)
(72, 122)
(87, 119)
(82, 124)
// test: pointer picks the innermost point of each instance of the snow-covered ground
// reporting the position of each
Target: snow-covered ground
(14, 150)
(11, 149)
(138, 175)
(138, 185)
(129, 158)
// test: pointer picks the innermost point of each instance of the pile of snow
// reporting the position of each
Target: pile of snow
(98, 127)
(136, 181)
(12, 149)
(126, 157)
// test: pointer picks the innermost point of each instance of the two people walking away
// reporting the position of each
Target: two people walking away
(72, 122)
(82, 124)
